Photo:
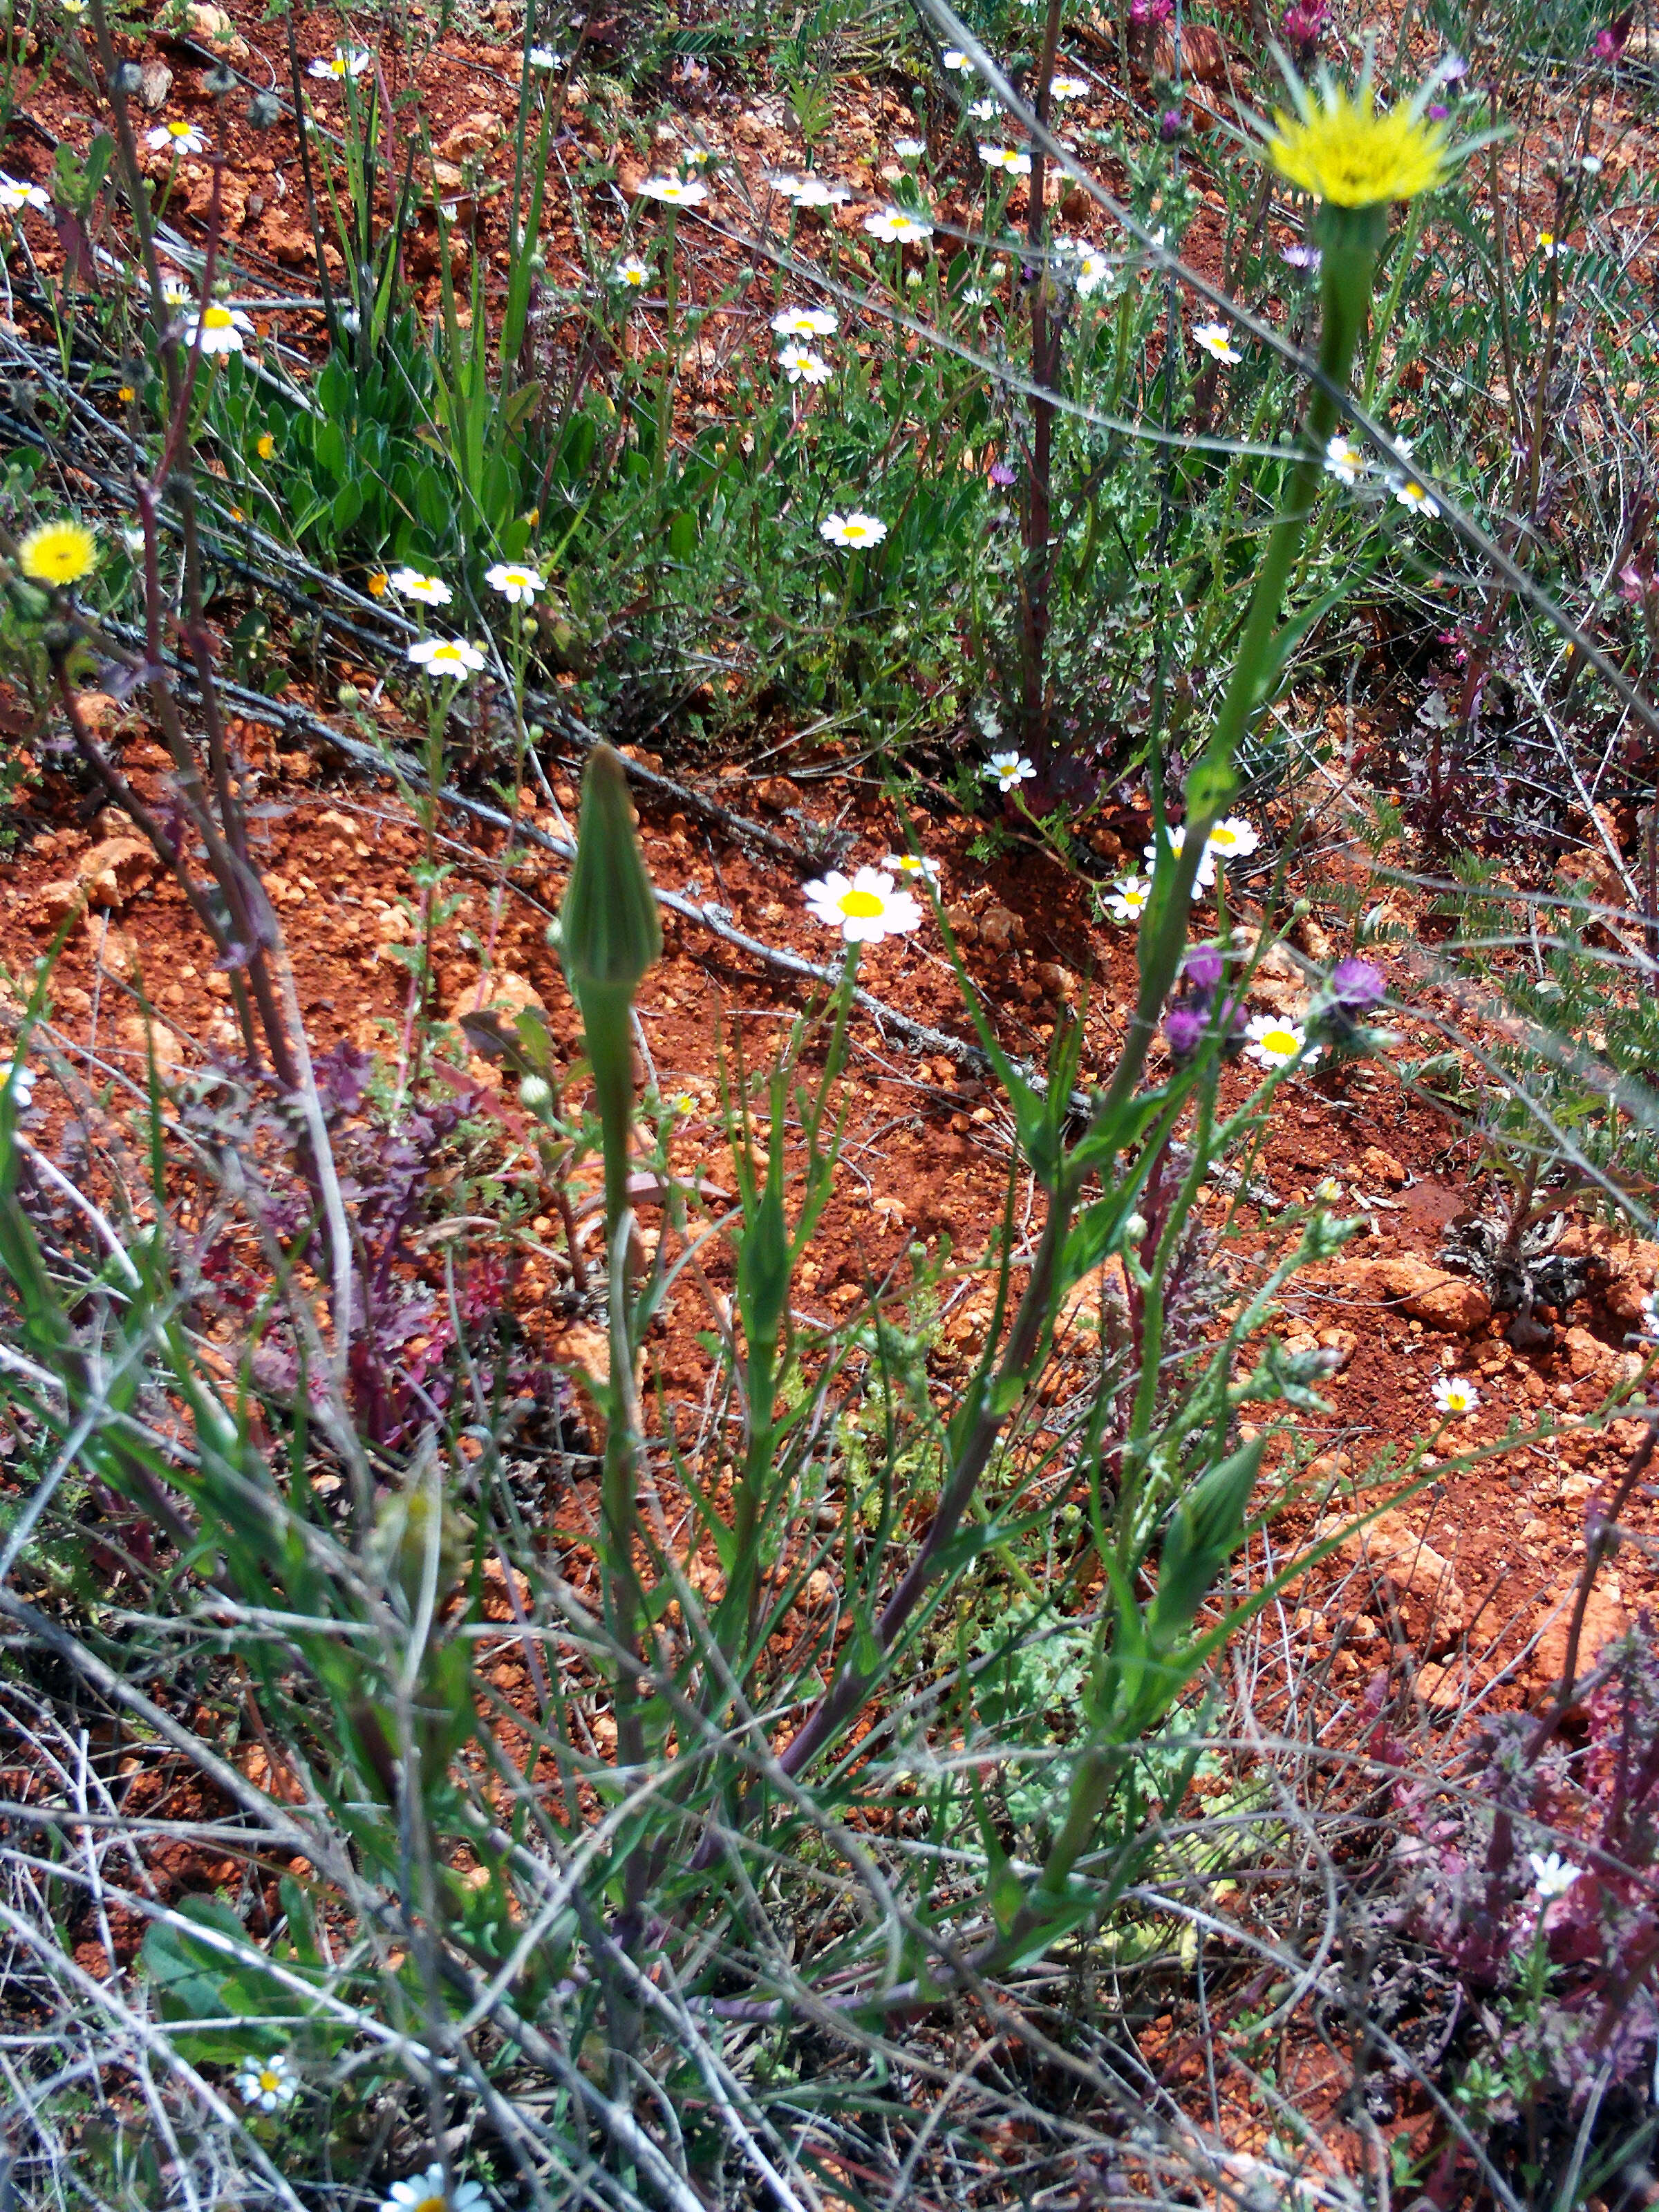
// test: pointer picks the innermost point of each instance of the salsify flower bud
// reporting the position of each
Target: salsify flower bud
(611, 932)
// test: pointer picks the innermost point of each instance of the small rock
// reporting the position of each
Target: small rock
(155, 83)
(474, 134)
(1585, 1352)
(1429, 1294)
(115, 872)
(777, 794)
(1378, 1166)
(1426, 1595)
(54, 902)
(1576, 1488)
(999, 929)
(202, 25)
(505, 995)
(1605, 1620)
(964, 926)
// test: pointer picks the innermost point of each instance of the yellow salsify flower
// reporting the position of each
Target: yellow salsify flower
(1337, 147)
(265, 447)
(58, 553)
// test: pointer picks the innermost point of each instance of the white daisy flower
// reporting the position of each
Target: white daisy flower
(913, 864)
(1452, 1395)
(784, 181)
(897, 227)
(1414, 496)
(218, 330)
(410, 584)
(864, 908)
(21, 1078)
(178, 137)
(1005, 158)
(1177, 833)
(517, 586)
(802, 366)
(1275, 1043)
(1126, 900)
(674, 191)
(266, 2083)
(1590, 164)
(852, 530)
(1008, 770)
(1215, 341)
(814, 192)
(954, 59)
(805, 322)
(1093, 269)
(543, 57)
(15, 195)
(1553, 1876)
(1343, 459)
(909, 149)
(175, 292)
(1233, 839)
(425, 2192)
(632, 273)
(445, 656)
(1648, 1326)
(1549, 245)
(1069, 87)
(132, 538)
(985, 111)
(345, 61)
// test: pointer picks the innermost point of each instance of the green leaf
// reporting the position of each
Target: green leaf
(348, 505)
(682, 536)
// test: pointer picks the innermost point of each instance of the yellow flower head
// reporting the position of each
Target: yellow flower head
(1337, 146)
(265, 447)
(58, 553)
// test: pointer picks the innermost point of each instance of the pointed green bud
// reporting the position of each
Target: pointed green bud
(609, 931)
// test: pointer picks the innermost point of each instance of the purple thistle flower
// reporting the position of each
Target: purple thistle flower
(1300, 256)
(1437, 111)
(1171, 125)
(1004, 473)
(1202, 968)
(1358, 984)
(1183, 1028)
(1150, 11)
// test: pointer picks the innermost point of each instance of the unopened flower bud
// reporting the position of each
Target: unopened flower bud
(612, 932)
(348, 695)
(535, 1094)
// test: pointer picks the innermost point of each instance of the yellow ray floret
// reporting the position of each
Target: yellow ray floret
(58, 553)
(1341, 150)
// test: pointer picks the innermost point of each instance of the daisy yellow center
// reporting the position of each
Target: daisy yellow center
(1224, 839)
(178, 130)
(856, 530)
(519, 576)
(269, 2078)
(1343, 152)
(432, 2204)
(217, 319)
(1279, 1040)
(58, 553)
(861, 906)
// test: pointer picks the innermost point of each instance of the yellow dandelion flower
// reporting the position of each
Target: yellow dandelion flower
(265, 447)
(58, 553)
(377, 584)
(1337, 147)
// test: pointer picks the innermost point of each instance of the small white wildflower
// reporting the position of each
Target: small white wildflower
(445, 656)
(517, 586)
(1093, 269)
(864, 908)
(425, 2192)
(1006, 158)
(15, 195)
(1590, 164)
(802, 366)
(1176, 834)
(814, 192)
(954, 59)
(543, 57)
(674, 191)
(1274, 1043)
(1008, 770)
(1233, 839)
(1127, 898)
(267, 2083)
(898, 227)
(21, 1078)
(1549, 245)
(410, 584)
(218, 330)
(1455, 1396)
(1414, 496)
(176, 137)
(913, 864)
(852, 530)
(1069, 87)
(984, 111)
(1215, 341)
(1343, 459)
(345, 61)
(909, 149)
(805, 322)
(1553, 1876)
(632, 273)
